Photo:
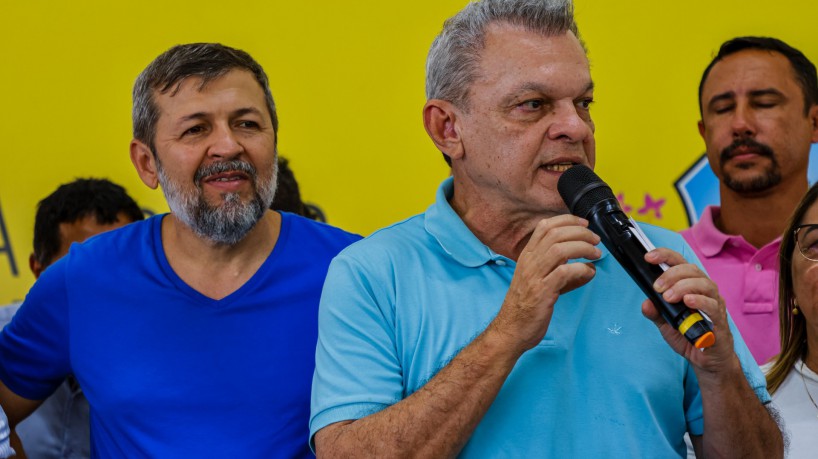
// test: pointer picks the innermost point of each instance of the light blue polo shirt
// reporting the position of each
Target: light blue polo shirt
(399, 305)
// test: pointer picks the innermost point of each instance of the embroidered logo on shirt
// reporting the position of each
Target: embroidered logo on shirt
(615, 329)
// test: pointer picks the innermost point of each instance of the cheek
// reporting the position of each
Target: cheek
(718, 133)
(805, 283)
(590, 148)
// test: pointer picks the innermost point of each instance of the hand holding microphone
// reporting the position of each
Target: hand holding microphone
(587, 196)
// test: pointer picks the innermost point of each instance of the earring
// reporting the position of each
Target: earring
(794, 307)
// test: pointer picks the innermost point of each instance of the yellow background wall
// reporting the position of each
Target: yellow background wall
(348, 81)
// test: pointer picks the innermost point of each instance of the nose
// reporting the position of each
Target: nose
(224, 143)
(742, 122)
(568, 124)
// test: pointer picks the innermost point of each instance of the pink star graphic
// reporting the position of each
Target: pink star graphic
(651, 204)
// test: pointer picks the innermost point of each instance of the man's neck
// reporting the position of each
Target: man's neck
(759, 219)
(504, 232)
(217, 270)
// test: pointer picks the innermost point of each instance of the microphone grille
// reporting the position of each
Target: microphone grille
(581, 189)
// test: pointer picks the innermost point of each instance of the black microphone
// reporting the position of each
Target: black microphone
(587, 196)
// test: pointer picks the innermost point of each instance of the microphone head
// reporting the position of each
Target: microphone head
(582, 189)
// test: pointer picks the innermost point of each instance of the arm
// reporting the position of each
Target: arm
(17, 446)
(736, 423)
(30, 342)
(16, 408)
(438, 419)
(435, 421)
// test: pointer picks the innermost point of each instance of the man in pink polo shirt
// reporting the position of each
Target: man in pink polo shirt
(759, 106)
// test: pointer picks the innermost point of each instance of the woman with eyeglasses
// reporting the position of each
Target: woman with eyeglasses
(792, 378)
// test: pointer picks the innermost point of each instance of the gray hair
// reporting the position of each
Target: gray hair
(207, 61)
(451, 66)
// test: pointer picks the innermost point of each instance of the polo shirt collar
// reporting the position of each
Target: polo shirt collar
(710, 239)
(456, 239)
(443, 224)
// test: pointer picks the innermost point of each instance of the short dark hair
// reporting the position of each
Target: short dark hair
(802, 67)
(72, 201)
(207, 61)
(288, 196)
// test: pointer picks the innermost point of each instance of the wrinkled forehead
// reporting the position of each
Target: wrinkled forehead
(514, 56)
(213, 94)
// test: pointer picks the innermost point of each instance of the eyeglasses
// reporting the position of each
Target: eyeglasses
(806, 237)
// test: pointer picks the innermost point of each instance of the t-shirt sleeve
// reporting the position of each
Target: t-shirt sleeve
(34, 357)
(358, 371)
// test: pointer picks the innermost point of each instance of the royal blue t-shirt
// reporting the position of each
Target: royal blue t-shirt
(167, 371)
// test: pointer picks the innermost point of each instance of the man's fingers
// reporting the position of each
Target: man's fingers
(548, 226)
(689, 286)
(665, 255)
(676, 340)
(558, 235)
(649, 310)
(573, 275)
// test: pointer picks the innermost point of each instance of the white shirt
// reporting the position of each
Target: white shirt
(5, 449)
(799, 413)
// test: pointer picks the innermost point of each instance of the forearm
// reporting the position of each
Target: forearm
(736, 424)
(17, 446)
(438, 419)
(16, 409)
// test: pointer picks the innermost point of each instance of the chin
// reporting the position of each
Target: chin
(554, 208)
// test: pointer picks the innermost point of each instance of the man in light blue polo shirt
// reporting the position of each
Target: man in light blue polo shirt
(495, 325)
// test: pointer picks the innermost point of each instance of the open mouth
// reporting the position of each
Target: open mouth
(227, 181)
(558, 167)
(226, 177)
(224, 172)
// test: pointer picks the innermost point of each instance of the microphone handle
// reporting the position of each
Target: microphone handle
(617, 233)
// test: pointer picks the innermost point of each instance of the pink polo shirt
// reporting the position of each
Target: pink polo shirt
(747, 278)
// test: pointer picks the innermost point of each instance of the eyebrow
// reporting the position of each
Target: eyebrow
(766, 92)
(236, 113)
(538, 87)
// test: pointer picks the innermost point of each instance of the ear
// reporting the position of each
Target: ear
(701, 128)
(440, 118)
(145, 163)
(35, 266)
(813, 118)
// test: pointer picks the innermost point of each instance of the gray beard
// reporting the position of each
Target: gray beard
(228, 223)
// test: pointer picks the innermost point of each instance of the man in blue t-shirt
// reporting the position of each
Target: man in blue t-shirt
(193, 333)
(495, 325)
